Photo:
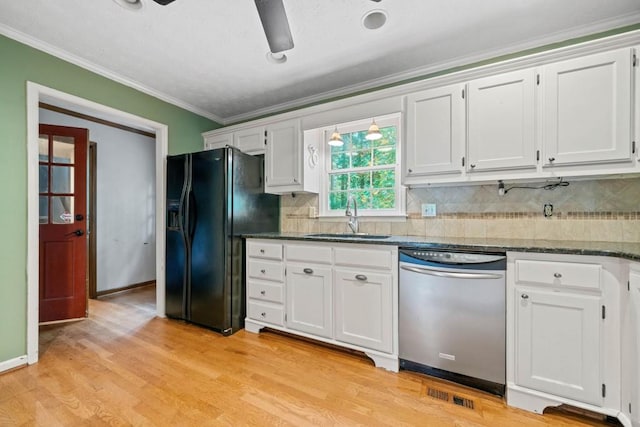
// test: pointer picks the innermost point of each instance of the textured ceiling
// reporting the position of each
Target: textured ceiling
(210, 55)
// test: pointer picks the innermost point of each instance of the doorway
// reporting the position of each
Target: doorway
(36, 94)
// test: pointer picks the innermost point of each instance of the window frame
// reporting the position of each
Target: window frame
(394, 119)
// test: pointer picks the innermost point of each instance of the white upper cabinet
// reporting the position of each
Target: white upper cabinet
(587, 109)
(435, 131)
(213, 140)
(251, 140)
(282, 157)
(501, 121)
(289, 168)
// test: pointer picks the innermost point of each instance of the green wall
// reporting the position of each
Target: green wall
(19, 64)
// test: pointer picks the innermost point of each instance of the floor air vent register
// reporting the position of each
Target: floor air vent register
(443, 395)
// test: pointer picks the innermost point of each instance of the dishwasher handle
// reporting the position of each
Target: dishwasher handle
(451, 274)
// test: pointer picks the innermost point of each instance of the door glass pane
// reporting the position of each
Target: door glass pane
(62, 179)
(44, 209)
(43, 178)
(43, 148)
(62, 149)
(62, 209)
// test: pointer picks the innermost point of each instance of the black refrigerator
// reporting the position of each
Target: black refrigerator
(213, 197)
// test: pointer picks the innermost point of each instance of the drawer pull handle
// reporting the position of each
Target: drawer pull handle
(263, 271)
(308, 271)
(557, 275)
(263, 314)
(263, 292)
(361, 277)
(261, 251)
(524, 296)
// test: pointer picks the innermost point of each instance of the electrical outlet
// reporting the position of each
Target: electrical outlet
(428, 209)
(548, 210)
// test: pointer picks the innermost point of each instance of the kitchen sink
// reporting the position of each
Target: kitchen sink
(348, 235)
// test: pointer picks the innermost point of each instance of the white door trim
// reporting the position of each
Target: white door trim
(35, 93)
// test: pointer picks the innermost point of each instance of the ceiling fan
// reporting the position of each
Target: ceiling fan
(274, 22)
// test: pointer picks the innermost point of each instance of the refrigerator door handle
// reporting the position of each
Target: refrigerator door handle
(183, 214)
(193, 215)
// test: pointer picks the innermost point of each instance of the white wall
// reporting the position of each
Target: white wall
(125, 229)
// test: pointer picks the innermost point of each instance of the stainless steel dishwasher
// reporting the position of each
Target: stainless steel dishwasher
(453, 317)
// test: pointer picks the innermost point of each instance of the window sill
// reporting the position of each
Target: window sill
(364, 218)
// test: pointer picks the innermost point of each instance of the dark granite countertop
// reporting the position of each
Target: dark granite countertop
(630, 251)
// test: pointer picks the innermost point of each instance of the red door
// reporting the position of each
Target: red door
(63, 242)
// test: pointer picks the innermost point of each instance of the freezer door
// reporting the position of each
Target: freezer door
(210, 290)
(177, 250)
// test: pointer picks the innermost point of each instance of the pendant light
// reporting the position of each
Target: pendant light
(336, 139)
(374, 131)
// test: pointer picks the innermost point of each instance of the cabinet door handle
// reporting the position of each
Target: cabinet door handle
(263, 292)
(524, 296)
(263, 271)
(410, 170)
(361, 277)
(263, 314)
(308, 271)
(261, 251)
(557, 275)
(552, 159)
(472, 166)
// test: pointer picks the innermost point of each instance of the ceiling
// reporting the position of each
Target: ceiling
(209, 56)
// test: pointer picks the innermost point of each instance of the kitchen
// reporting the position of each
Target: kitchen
(449, 221)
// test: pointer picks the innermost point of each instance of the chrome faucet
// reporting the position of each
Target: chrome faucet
(353, 216)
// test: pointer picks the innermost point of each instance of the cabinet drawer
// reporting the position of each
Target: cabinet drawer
(351, 257)
(264, 250)
(559, 273)
(266, 270)
(266, 291)
(266, 312)
(315, 254)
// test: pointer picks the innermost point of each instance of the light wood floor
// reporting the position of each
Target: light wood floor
(123, 366)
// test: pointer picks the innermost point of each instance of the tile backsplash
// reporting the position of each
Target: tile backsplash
(595, 210)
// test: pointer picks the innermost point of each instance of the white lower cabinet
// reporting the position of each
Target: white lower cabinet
(309, 299)
(363, 313)
(563, 332)
(631, 348)
(558, 344)
(339, 293)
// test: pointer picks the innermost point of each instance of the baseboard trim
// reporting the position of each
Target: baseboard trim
(124, 288)
(10, 364)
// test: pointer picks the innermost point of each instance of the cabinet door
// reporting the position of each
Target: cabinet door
(587, 109)
(501, 113)
(250, 141)
(435, 131)
(282, 158)
(309, 299)
(363, 309)
(558, 344)
(212, 142)
(633, 334)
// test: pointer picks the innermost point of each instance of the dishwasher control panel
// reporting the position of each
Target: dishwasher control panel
(447, 257)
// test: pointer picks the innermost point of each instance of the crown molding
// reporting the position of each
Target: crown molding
(97, 69)
(622, 40)
(424, 72)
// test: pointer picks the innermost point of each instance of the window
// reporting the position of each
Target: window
(367, 170)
